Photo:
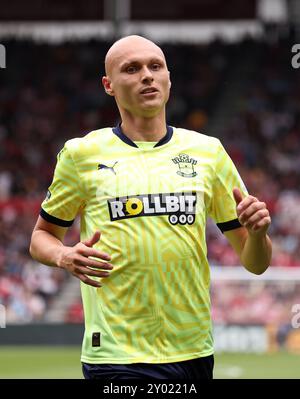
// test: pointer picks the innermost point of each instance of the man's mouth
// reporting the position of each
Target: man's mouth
(149, 90)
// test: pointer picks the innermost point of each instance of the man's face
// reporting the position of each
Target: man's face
(138, 77)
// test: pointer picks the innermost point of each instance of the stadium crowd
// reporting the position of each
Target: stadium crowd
(263, 139)
(252, 302)
(50, 93)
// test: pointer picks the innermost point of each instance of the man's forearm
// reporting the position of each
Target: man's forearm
(45, 248)
(256, 254)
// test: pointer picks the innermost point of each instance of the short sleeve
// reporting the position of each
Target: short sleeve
(64, 197)
(223, 206)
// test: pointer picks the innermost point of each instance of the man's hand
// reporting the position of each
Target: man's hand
(252, 213)
(252, 244)
(76, 260)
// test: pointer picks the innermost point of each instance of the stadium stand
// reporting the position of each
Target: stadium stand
(53, 92)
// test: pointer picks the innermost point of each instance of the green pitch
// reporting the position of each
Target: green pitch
(64, 362)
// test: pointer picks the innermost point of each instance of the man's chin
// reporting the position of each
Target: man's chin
(146, 109)
(151, 108)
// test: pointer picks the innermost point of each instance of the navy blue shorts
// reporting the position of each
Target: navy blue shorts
(194, 369)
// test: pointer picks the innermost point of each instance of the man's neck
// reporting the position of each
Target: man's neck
(144, 129)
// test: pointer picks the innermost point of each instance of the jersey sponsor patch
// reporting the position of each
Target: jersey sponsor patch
(180, 207)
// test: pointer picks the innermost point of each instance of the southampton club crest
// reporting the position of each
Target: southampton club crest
(185, 165)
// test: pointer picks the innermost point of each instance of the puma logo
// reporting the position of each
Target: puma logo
(102, 166)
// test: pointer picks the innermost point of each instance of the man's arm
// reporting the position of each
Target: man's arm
(251, 241)
(47, 247)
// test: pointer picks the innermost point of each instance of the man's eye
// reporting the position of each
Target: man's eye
(131, 69)
(155, 67)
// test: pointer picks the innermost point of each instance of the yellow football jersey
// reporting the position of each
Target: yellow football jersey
(150, 202)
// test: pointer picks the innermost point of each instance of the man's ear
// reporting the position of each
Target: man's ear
(170, 84)
(107, 85)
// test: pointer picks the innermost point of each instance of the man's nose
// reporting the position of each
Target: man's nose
(147, 76)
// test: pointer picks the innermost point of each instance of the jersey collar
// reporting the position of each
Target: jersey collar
(118, 132)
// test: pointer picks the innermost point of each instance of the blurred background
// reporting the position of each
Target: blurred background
(233, 78)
